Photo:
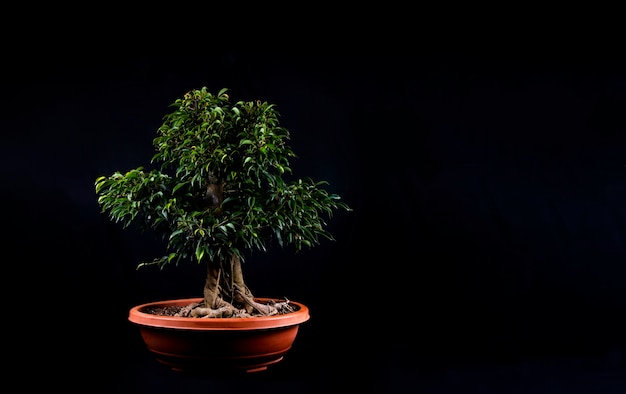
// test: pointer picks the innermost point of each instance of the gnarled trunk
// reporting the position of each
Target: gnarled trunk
(227, 295)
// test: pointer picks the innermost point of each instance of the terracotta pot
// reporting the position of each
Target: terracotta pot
(201, 345)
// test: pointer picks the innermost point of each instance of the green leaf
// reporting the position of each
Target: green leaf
(244, 146)
(199, 251)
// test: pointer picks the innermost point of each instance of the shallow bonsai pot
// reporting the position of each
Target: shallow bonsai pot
(209, 345)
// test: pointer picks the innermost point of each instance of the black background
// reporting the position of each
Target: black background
(485, 252)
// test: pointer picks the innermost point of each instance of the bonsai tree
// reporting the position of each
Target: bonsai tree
(220, 191)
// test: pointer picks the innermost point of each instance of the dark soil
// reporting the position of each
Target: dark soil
(165, 311)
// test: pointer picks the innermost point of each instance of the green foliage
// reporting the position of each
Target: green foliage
(206, 141)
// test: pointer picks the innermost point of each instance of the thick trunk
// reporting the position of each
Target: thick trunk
(225, 284)
(227, 295)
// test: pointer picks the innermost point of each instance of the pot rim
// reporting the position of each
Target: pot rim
(138, 317)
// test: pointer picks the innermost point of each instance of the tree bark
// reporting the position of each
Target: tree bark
(227, 295)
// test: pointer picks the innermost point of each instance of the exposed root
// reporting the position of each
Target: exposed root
(187, 310)
(226, 309)
(208, 312)
(271, 308)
